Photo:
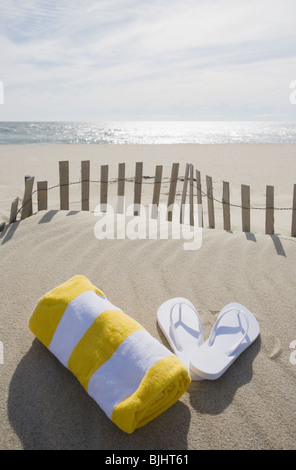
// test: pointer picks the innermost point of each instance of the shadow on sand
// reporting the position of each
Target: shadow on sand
(49, 409)
(214, 396)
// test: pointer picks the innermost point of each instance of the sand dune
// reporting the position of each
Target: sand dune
(256, 165)
(253, 405)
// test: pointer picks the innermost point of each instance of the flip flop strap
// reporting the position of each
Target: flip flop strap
(214, 330)
(173, 329)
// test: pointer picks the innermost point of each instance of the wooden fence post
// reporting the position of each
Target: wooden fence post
(26, 205)
(30, 204)
(104, 187)
(138, 187)
(269, 215)
(245, 198)
(184, 193)
(156, 191)
(172, 191)
(211, 213)
(85, 178)
(64, 185)
(42, 187)
(120, 188)
(199, 196)
(13, 210)
(293, 229)
(226, 206)
(191, 197)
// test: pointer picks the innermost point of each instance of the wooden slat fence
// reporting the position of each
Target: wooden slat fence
(196, 196)
(85, 185)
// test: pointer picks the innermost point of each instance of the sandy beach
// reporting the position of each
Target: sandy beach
(253, 405)
(256, 165)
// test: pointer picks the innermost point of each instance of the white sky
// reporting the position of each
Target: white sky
(147, 60)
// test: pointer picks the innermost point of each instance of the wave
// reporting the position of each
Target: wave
(148, 132)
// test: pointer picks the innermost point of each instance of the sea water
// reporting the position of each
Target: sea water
(147, 132)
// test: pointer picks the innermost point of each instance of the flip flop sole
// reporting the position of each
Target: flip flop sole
(211, 361)
(186, 327)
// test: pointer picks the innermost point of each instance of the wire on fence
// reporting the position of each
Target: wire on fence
(132, 180)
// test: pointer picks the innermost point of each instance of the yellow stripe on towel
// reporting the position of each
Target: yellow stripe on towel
(131, 375)
(161, 387)
(52, 306)
(93, 349)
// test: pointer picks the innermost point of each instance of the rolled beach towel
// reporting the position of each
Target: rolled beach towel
(130, 374)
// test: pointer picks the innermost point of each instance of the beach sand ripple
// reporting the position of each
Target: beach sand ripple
(252, 406)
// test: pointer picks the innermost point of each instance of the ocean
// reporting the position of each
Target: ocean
(147, 132)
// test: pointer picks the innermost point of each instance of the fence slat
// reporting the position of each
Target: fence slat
(293, 229)
(42, 187)
(172, 191)
(2, 227)
(269, 215)
(64, 185)
(245, 197)
(191, 197)
(13, 210)
(211, 213)
(42, 195)
(226, 206)
(199, 197)
(184, 193)
(104, 187)
(156, 191)
(138, 187)
(85, 178)
(30, 204)
(121, 188)
(26, 209)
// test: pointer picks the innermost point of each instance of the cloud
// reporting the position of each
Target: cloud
(128, 58)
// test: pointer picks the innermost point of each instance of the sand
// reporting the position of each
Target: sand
(252, 406)
(256, 165)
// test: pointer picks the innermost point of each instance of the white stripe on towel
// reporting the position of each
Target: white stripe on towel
(121, 375)
(77, 318)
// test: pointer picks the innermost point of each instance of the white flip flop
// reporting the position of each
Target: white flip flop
(235, 329)
(183, 329)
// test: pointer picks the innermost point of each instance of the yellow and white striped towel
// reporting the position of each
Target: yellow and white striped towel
(130, 374)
